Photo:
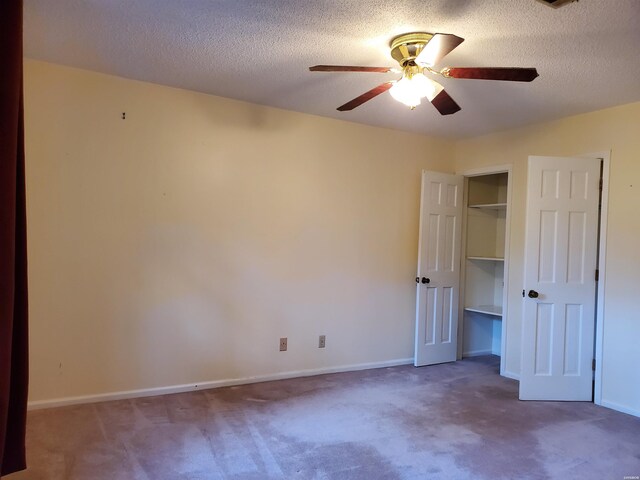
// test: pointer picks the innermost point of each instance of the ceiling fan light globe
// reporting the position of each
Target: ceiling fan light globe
(404, 92)
(423, 86)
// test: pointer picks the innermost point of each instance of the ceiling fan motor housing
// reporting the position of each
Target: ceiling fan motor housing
(405, 48)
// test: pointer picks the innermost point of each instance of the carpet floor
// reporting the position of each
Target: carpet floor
(452, 421)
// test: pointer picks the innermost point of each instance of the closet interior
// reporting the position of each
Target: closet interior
(484, 264)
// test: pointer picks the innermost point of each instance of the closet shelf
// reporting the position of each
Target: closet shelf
(490, 206)
(486, 309)
(490, 259)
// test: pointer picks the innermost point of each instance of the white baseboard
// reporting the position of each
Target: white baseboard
(477, 353)
(150, 392)
(511, 375)
(620, 408)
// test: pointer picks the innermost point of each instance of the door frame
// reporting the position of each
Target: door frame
(475, 172)
(605, 157)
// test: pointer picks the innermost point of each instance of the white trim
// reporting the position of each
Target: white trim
(620, 408)
(511, 375)
(150, 392)
(463, 270)
(506, 318)
(477, 353)
(474, 172)
(416, 329)
(605, 156)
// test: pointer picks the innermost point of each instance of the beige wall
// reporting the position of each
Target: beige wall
(178, 245)
(616, 130)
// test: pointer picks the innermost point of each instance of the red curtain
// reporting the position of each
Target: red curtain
(13, 245)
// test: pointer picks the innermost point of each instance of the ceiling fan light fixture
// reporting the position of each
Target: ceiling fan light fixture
(404, 92)
(412, 87)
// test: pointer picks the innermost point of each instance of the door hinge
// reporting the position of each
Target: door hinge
(522, 293)
(597, 275)
(593, 364)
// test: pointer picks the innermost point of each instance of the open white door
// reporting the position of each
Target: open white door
(438, 278)
(559, 279)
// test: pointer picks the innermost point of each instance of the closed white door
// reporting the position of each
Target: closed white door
(438, 280)
(559, 280)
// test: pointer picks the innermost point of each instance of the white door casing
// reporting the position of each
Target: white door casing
(439, 264)
(560, 263)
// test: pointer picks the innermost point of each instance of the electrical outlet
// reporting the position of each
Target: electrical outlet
(283, 344)
(322, 341)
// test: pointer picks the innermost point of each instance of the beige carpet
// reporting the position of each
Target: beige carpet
(453, 421)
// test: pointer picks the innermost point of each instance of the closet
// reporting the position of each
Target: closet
(463, 267)
(484, 239)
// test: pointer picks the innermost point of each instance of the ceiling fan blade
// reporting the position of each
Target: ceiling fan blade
(440, 45)
(497, 73)
(445, 104)
(348, 68)
(365, 97)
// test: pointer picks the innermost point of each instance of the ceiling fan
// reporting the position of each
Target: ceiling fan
(418, 53)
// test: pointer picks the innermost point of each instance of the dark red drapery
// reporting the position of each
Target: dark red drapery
(13, 246)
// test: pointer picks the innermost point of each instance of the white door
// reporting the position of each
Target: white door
(559, 279)
(438, 286)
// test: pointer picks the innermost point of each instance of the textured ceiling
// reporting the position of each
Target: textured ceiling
(587, 53)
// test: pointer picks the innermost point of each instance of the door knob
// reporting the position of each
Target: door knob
(417, 279)
(426, 280)
(532, 294)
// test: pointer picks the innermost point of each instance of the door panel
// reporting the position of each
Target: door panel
(439, 262)
(560, 262)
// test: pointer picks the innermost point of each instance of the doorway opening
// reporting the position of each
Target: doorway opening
(485, 263)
